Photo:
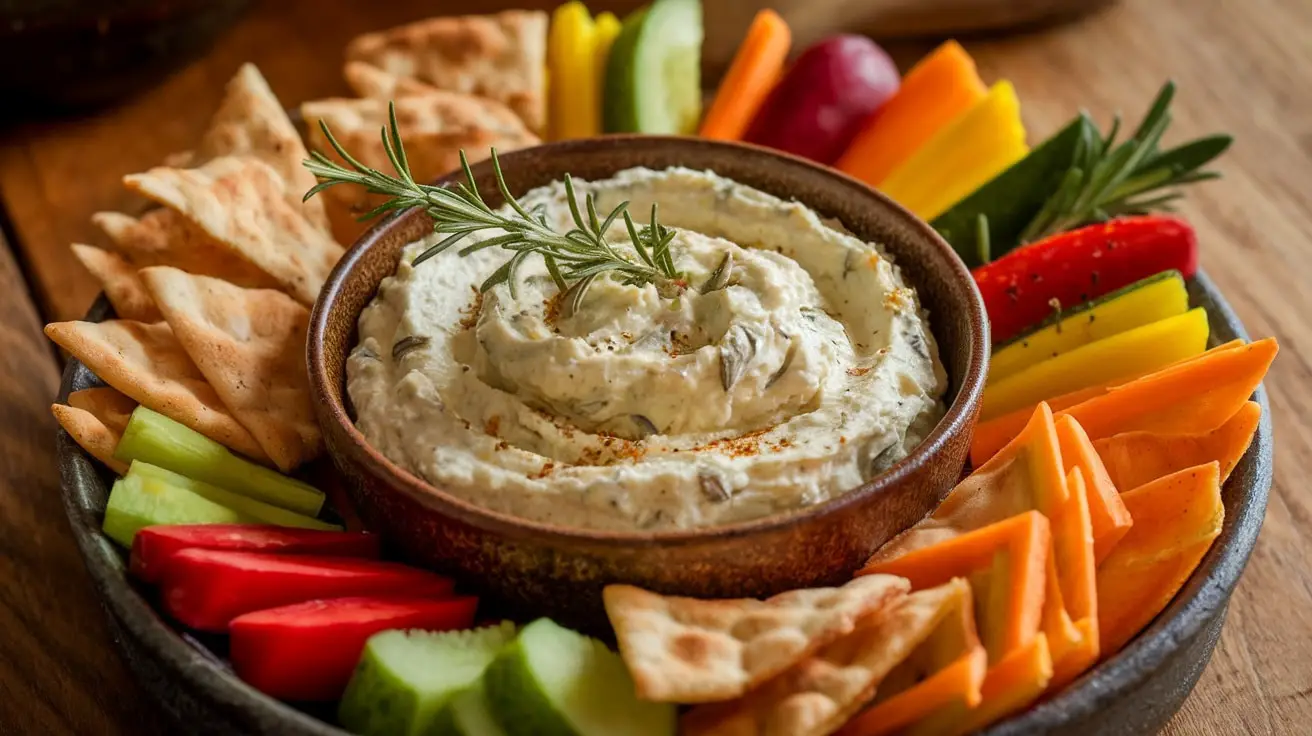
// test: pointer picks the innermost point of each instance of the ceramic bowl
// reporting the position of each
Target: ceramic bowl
(558, 571)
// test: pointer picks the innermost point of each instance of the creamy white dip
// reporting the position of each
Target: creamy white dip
(809, 373)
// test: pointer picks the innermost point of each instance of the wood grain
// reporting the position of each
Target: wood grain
(1243, 66)
(58, 670)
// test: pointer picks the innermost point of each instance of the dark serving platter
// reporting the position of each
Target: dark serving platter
(1135, 692)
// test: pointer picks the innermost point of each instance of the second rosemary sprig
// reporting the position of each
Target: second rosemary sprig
(575, 259)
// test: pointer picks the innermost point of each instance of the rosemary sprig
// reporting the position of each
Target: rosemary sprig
(575, 259)
(1131, 178)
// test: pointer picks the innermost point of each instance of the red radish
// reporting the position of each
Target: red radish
(825, 98)
(1022, 288)
(205, 588)
(307, 651)
(155, 546)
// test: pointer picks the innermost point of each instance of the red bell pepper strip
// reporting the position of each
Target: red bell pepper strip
(155, 546)
(205, 588)
(307, 651)
(1024, 287)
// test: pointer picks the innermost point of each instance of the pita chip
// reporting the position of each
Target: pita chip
(162, 237)
(119, 280)
(685, 650)
(91, 434)
(107, 404)
(369, 81)
(241, 202)
(435, 128)
(819, 694)
(146, 362)
(502, 57)
(250, 345)
(251, 121)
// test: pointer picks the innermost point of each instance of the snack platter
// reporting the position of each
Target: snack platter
(884, 422)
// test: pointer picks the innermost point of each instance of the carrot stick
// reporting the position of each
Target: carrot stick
(1026, 475)
(1009, 686)
(992, 435)
(1108, 518)
(1135, 458)
(755, 69)
(957, 683)
(939, 89)
(1005, 562)
(1175, 520)
(1070, 616)
(1195, 396)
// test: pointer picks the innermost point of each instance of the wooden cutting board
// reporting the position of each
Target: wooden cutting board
(810, 20)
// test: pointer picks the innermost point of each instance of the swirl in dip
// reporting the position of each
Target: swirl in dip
(806, 375)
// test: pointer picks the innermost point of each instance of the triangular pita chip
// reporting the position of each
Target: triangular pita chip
(369, 81)
(685, 650)
(501, 57)
(435, 128)
(250, 344)
(119, 280)
(823, 691)
(146, 362)
(241, 202)
(252, 122)
(107, 404)
(162, 237)
(91, 434)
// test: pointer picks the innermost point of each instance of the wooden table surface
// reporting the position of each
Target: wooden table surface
(1243, 66)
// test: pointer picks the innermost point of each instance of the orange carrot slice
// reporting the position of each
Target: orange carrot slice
(755, 70)
(1027, 474)
(1009, 686)
(1070, 619)
(1175, 520)
(956, 685)
(1135, 458)
(1195, 396)
(947, 668)
(994, 434)
(1005, 564)
(1107, 512)
(936, 91)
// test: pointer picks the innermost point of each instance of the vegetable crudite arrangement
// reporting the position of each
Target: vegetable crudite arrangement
(661, 350)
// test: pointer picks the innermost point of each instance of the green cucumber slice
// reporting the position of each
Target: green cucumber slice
(255, 510)
(467, 713)
(552, 681)
(405, 677)
(653, 75)
(136, 503)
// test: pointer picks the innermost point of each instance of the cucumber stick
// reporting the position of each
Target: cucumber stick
(653, 75)
(552, 681)
(137, 502)
(248, 507)
(406, 677)
(467, 713)
(158, 440)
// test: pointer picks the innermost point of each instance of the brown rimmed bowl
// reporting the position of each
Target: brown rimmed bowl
(541, 569)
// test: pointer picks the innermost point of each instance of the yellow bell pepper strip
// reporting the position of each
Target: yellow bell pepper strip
(963, 156)
(574, 109)
(755, 70)
(1142, 303)
(605, 29)
(1130, 353)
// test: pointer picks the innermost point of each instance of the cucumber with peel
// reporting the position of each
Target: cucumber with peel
(405, 677)
(467, 713)
(653, 76)
(158, 440)
(137, 502)
(551, 681)
(245, 505)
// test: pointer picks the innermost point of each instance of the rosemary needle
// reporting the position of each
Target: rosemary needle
(575, 259)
